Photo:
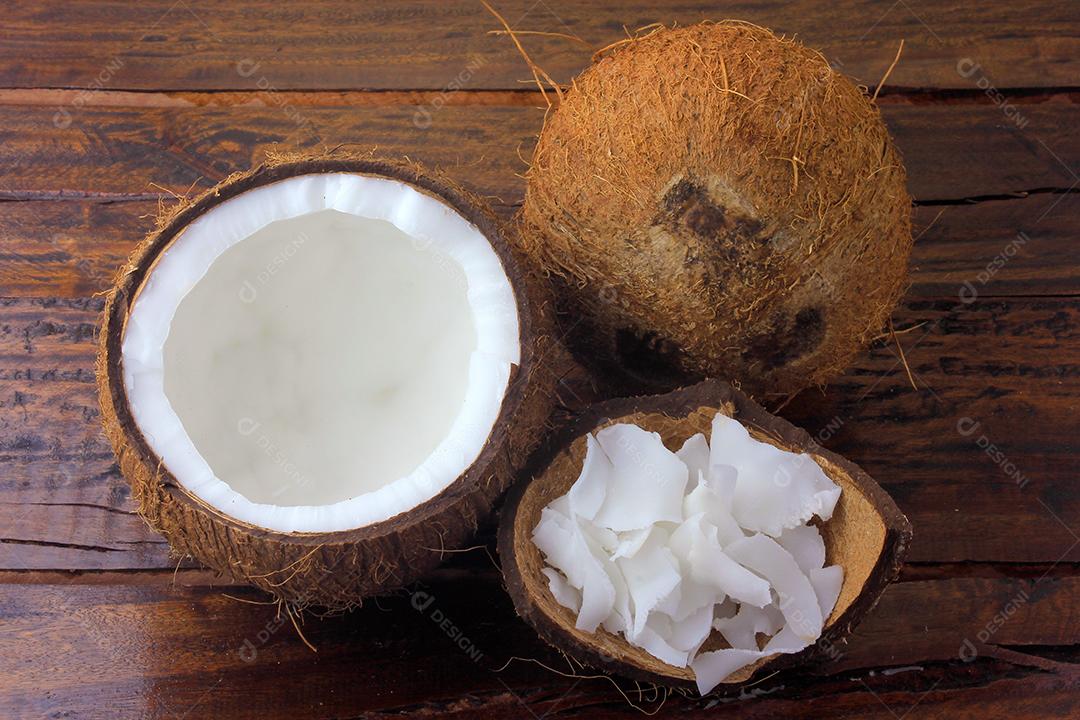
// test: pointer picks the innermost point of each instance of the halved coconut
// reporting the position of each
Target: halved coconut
(866, 536)
(319, 375)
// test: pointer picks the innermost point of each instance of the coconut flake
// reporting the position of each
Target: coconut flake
(691, 632)
(775, 489)
(741, 631)
(774, 615)
(827, 583)
(722, 478)
(710, 565)
(651, 641)
(561, 505)
(554, 536)
(692, 596)
(778, 492)
(785, 641)
(597, 597)
(798, 601)
(563, 592)
(565, 548)
(630, 542)
(681, 541)
(588, 491)
(711, 668)
(704, 499)
(622, 616)
(651, 575)
(695, 455)
(696, 546)
(805, 545)
(603, 539)
(651, 479)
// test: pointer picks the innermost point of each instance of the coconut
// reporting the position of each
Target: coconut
(319, 375)
(716, 201)
(795, 588)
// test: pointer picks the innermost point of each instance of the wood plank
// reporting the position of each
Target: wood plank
(139, 153)
(73, 248)
(1019, 246)
(62, 503)
(69, 249)
(1008, 364)
(429, 44)
(952, 152)
(161, 651)
(1031, 696)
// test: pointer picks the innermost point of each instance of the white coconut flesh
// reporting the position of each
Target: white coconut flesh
(664, 548)
(321, 353)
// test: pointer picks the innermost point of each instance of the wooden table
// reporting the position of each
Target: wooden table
(108, 110)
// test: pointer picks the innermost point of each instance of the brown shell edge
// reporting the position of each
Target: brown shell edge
(679, 403)
(332, 570)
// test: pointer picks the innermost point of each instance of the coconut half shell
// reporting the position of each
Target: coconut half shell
(867, 534)
(329, 569)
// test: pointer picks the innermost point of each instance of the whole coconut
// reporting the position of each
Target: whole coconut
(717, 201)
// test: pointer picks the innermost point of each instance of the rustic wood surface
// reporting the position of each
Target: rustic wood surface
(108, 109)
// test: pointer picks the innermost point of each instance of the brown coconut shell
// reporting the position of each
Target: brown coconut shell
(867, 534)
(716, 201)
(332, 570)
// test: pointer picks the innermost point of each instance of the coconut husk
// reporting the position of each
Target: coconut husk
(867, 534)
(717, 201)
(331, 570)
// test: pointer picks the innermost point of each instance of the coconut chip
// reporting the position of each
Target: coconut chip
(775, 489)
(650, 480)
(665, 548)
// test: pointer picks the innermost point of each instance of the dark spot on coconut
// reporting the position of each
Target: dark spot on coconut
(678, 194)
(790, 339)
(688, 205)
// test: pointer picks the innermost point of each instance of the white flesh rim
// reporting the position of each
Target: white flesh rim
(321, 353)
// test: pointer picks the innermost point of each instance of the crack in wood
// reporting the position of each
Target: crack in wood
(77, 546)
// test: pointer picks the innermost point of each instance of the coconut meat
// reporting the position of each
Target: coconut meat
(671, 547)
(321, 353)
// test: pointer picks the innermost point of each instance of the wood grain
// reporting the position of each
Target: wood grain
(1014, 246)
(952, 152)
(117, 650)
(429, 44)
